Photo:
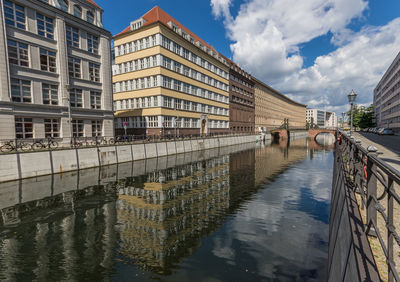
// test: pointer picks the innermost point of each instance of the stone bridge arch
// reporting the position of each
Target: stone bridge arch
(312, 133)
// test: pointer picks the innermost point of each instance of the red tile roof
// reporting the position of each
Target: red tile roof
(93, 3)
(158, 15)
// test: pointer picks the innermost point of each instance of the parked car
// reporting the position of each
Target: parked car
(385, 131)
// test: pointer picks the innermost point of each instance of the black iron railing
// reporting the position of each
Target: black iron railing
(31, 144)
(378, 185)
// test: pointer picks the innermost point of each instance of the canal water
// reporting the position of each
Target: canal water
(240, 213)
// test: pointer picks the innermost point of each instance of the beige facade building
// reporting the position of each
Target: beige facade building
(273, 109)
(387, 98)
(168, 81)
(55, 78)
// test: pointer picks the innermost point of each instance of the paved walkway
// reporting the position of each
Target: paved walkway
(388, 146)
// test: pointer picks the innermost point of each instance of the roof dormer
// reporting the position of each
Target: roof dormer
(137, 24)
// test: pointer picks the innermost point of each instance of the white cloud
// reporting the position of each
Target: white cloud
(221, 8)
(267, 36)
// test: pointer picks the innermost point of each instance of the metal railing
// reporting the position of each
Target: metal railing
(35, 144)
(375, 182)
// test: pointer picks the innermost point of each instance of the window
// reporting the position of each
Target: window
(75, 97)
(77, 128)
(187, 123)
(47, 60)
(165, 42)
(178, 104)
(167, 63)
(50, 94)
(167, 102)
(177, 85)
(93, 43)
(186, 105)
(14, 14)
(45, 26)
(167, 82)
(153, 121)
(168, 121)
(52, 127)
(155, 101)
(185, 53)
(94, 72)
(74, 67)
(23, 127)
(97, 126)
(63, 5)
(90, 17)
(21, 90)
(177, 67)
(18, 53)
(95, 100)
(72, 36)
(77, 11)
(176, 48)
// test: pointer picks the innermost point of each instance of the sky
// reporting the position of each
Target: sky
(313, 51)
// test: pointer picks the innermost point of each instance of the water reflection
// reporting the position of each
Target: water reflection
(171, 218)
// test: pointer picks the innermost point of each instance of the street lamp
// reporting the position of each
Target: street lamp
(352, 99)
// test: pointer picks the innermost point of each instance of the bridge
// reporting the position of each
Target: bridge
(312, 133)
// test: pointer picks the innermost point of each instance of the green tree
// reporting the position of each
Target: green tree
(362, 117)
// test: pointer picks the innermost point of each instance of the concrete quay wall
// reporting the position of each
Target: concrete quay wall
(32, 164)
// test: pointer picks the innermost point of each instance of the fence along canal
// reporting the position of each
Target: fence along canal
(364, 242)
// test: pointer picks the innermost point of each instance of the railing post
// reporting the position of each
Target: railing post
(371, 191)
(391, 230)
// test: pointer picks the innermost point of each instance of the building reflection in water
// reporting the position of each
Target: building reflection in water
(150, 213)
(163, 215)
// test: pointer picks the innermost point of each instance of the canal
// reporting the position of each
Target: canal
(239, 213)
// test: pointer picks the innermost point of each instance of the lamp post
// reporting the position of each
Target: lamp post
(352, 98)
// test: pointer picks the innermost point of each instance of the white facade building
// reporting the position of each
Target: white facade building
(55, 78)
(387, 98)
(321, 118)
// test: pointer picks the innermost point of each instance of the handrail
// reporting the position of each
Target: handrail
(366, 171)
(15, 145)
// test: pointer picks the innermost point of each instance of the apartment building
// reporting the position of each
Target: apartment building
(274, 110)
(321, 118)
(387, 98)
(167, 80)
(241, 95)
(55, 79)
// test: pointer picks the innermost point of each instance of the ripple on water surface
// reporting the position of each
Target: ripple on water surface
(250, 214)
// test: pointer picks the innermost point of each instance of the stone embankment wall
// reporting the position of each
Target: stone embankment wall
(33, 164)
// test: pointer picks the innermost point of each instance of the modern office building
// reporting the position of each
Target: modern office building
(321, 118)
(168, 81)
(55, 78)
(387, 98)
(273, 109)
(241, 95)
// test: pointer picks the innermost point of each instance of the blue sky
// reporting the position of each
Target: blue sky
(314, 51)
